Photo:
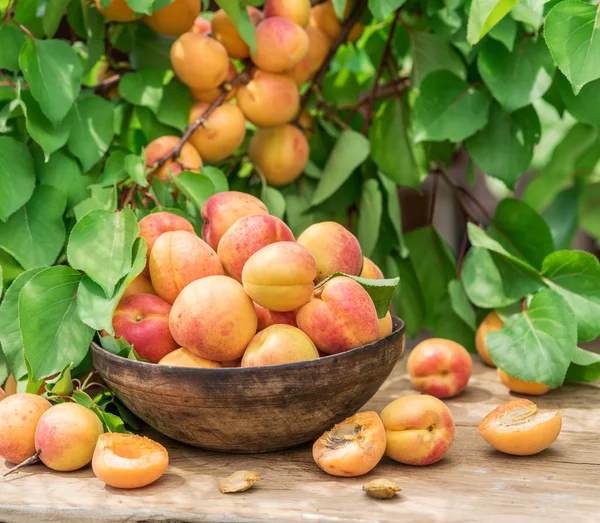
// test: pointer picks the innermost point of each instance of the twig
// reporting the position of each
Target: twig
(459, 196)
(23, 28)
(524, 304)
(463, 250)
(433, 199)
(8, 82)
(129, 195)
(322, 104)
(29, 461)
(107, 83)
(479, 205)
(386, 90)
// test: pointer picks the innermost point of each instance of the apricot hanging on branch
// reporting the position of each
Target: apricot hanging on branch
(225, 31)
(280, 45)
(175, 18)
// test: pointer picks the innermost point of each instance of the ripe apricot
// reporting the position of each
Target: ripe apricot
(117, 10)
(223, 209)
(280, 45)
(175, 18)
(490, 323)
(247, 236)
(129, 461)
(324, 16)
(517, 427)
(222, 134)
(305, 122)
(191, 49)
(279, 344)
(188, 159)
(419, 429)
(269, 99)
(224, 30)
(213, 318)
(439, 367)
(370, 270)
(266, 318)
(280, 154)
(212, 94)
(19, 416)
(184, 358)
(319, 45)
(530, 388)
(298, 11)
(353, 447)
(141, 284)
(179, 258)
(339, 317)
(300, 73)
(66, 436)
(201, 26)
(385, 325)
(334, 247)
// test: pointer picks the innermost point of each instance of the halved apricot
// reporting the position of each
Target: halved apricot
(517, 427)
(128, 461)
(352, 447)
(531, 388)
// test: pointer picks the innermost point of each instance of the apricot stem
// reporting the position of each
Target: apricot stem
(32, 460)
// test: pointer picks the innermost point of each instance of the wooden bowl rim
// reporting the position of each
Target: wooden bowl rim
(398, 328)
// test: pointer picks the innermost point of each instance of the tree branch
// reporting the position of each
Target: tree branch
(107, 83)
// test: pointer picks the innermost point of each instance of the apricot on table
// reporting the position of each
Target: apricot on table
(188, 159)
(298, 11)
(490, 323)
(334, 247)
(279, 344)
(213, 318)
(212, 94)
(419, 429)
(191, 49)
(141, 284)
(370, 270)
(517, 427)
(247, 236)
(280, 276)
(280, 45)
(179, 258)
(129, 461)
(225, 31)
(269, 99)
(184, 358)
(117, 11)
(19, 416)
(530, 388)
(339, 317)
(439, 367)
(385, 325)
(280, 153)
(266, 318)
(223, 209)
(143, 320)
(175, 18)
(222, 134)
(353, 447)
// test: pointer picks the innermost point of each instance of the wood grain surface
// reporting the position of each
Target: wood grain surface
(473, 483)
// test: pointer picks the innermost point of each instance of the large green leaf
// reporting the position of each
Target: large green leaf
(11, 41)
(174, 109)
(35, 234)
(63, 173)
(273, 199)
(381, 9)
(583, 106)
(572, 32)
(55, 10)
(589, 209)
(584, 367)
(196, 187)
(92, 130)
(504, 147)
(101, 244)
(431, 53)
(53, 71)
(408, 299)
(53, 335)
(17, 176)
(485, 14)
(143, 88)
(538, 343)
(561, 217)
(150, 50)
(517, 78)
(369, 220)
(460, 303)
(394, 213)
(505, 32)
(448, 108)
(95, 38)
(103, 198)
(575, 275)
(530, 12)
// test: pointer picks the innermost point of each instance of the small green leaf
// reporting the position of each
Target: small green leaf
(274, 201)
(408, 299)
(583, 106)
(505, 32)
(537, 344)
(102, 198)
(63, 173)
(150, 50)
(217, 177)
(11, 41)
(174, 109)
(339, 7)
(95, 38)
(143, 88)
(53, 71)
(485, 14)
(62, 385)
(136, 168)
(585, 367)
(17, 176)
(530, 12)
(561, 217)
(431, 53)
(55, 10)
(114, 170)
(196, 187)
(394, 212)
(460, 303)
(53, 335)
(241, 20)
(381, 9)
(448, 108)
(369, 219)
(117, 346)
(589, 210)
(350, 151)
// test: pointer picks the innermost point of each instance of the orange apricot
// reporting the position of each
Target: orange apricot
(324, 16)
(225, 31)
(201, 26)
(490, 323)
(280, 45)
(212, 94)
(530, 388)
(518, 428)
(185, 358)
(175, 18)
(279, 344)
(353, 447)
(370, 270)
(385, 325)
(300, 73)
(117, 10)
(305, 122)
(188, 159)
(10, 385)
(128, 461)
(141, 284)
(319, 45)
(266, 318)
(298, 11)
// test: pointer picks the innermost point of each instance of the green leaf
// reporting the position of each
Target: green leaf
(64, 174)
(102, 198)
(589, 210)
(448, 108)
(585, 367)
(62, 385)
(55, 10)
(575, 275)
(517, 78)
(10, 335)
(95, 38)
(529, 12)
(17, 176)
(350, 151)
(381, 9)
(460, 303)
(583, 106)
(241, 20)
(217, 177)
(537, 344)
(50, 137)
(117, 346)
(572, 32)
(394, 212)
(274, 201)
(408, 299)
(143, 88)
(504, 148)
(448, 324)
(369, 219)
(505, 32)
(92, 130)
(53, 71)
(136, 168)
(431, 53)
(150, 50)
(174, 109)
(485, 14)
(110, 237)
(53, 335)
(114, 169)
(35, 234)
(11, 41)
(339, 7)
(196, 187)
(561, 217)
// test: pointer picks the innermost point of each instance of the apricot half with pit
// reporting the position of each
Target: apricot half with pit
(353, 447)
(517, 427)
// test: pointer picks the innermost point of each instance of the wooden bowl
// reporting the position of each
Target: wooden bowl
(253, 409)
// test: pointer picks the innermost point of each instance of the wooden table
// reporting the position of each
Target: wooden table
(473, 483)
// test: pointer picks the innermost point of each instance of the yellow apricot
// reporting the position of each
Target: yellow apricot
(184, 358)
(298, 11)
(175, 18)
(491, 323)
(319, 45)
(224, 30)
(385, 325)
(188, 159)
(324, 16)
(530, 388)
(117, 10)
(280, 45)
(212, 94)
